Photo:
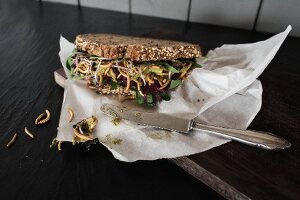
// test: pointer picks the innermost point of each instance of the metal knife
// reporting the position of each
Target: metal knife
(258, 139)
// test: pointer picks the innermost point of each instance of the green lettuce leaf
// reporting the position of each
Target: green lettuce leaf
(139, 98)
(194, 64)
(169, 67)
(165, 96)
(114, 85)
(69, 62)
(150, 100)
(175, 83)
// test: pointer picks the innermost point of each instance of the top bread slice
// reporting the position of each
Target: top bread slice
(135, 48)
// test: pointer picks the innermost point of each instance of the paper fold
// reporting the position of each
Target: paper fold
(224, 93)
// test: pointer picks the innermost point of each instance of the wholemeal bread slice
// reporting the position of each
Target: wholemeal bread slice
(135, 48)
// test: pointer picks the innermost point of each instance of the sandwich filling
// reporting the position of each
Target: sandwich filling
(146, 81)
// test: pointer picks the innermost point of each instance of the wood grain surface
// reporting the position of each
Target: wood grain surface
(260, 174)
(29, 169)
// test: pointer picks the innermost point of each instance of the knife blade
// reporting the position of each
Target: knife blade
(264, 140)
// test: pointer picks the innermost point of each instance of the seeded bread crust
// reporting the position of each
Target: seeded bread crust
(135, 48)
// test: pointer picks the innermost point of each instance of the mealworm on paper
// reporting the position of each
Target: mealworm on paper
(71, 115)
(79, 135)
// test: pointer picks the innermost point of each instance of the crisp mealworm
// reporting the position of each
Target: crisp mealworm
(48, 115)
(100, 80)
(13, 139)
(185, 71)
(79, 135)
(59, 145)
(39, 118)
(122, 99)
(112, 74)
(128, 83)
(71, 114)
(106, 66)
(28, 132)
(165, 85)
(82, 70)
(122, 73)
(106, 71)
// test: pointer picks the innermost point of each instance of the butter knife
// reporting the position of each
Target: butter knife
(263, 140)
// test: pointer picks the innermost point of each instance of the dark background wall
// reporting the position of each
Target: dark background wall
(261, 15)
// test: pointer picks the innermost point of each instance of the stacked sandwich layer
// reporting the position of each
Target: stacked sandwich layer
(134, 68)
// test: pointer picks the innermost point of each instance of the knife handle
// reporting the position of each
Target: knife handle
(257, 139)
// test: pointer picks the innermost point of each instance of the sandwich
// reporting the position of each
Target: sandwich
(137, 68)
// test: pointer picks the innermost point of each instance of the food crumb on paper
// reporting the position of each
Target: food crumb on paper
(116, 121)
(159, 135)
(108, 139)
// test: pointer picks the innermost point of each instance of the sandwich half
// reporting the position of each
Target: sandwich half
(138, 68)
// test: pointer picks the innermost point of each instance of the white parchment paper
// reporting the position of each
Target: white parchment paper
(224, 93)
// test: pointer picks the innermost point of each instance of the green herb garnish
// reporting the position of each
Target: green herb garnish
(175, 83)
(69, 62)
(194, 64)
(114, 85)
(165, 96)
(139, 98)
(150, 100)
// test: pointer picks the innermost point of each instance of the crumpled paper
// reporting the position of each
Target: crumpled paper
(223, 93)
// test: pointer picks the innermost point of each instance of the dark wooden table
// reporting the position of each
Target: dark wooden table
(29, 34)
